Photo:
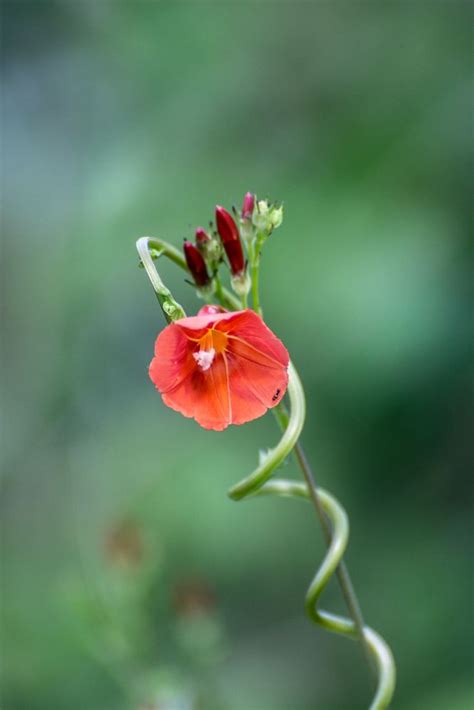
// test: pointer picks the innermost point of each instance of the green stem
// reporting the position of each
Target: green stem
(342, 572)
(337, 532)
(167, 249)
(219, 293)
(227, 299)
(254, 260)
(379, 650)
(254, 273)
(172, 309)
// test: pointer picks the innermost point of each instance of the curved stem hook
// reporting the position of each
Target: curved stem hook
(277, 455)
(172, 309)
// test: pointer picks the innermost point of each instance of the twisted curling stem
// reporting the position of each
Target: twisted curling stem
(332, 515)
(258, 484)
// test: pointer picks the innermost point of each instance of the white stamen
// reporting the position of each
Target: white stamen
(204, 358)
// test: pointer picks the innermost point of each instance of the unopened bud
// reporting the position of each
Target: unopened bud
(248, 205)
(230, 237)
(267, 216)
(247, 229)
(209, 246)
(202, 237)
(196, 264)
(211, 309)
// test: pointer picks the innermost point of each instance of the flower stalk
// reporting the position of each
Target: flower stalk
(254, 262)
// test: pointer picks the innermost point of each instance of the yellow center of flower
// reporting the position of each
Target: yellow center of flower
(213, 343)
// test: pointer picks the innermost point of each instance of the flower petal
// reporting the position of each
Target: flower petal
(254, 386)
(173, 361)
(249, 328)
(196, 326)
(204, 395)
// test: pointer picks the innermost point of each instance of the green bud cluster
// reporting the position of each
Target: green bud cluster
(267, 216)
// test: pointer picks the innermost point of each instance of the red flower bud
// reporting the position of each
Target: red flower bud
(196, 264)
(230, 238)
(202, 237)
(248, 205)
(211, 310)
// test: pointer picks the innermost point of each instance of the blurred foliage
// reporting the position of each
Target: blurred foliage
(130, 580)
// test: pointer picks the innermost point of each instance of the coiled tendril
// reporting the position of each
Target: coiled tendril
(258, 483)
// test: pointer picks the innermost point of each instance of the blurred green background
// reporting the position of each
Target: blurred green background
(130, 580)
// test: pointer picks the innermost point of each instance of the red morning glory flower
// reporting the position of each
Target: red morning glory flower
(220, 367)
